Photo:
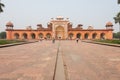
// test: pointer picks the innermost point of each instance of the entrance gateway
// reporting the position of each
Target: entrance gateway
(59, 28)
(59, 33)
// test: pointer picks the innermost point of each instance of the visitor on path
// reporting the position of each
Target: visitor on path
(77, 40)
(40, 40)
(53, 40)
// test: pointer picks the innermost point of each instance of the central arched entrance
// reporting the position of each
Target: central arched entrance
(59, 33)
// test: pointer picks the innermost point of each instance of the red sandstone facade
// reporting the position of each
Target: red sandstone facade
(59, 28)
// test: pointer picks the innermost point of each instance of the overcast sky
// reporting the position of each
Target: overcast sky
(32, 12)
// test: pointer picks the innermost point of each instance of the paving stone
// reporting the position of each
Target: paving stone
(86, 61)
(82, 61)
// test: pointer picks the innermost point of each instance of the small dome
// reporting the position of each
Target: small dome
(59, 18)
(80, 25)
(109, 24)
(9, 24)
(90, 27)
(70, 23)
(39, 24)
(29, 28)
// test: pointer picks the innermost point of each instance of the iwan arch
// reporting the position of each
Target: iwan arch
(59, 28)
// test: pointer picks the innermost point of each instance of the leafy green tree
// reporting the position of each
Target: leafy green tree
(117, 20)
(3, 35)
(118, 1)
(116, 35)
(1, 5)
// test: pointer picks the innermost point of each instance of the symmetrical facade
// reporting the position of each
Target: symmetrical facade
(59, 28)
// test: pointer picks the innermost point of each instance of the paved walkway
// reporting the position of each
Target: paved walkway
(81, 61)
(34, 61)
(86, 61)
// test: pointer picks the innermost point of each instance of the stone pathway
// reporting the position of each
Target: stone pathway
(81, 61)
(86, 61)
(33, 61)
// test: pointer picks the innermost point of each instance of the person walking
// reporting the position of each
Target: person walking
(77, 40)
(53, 40)
(40, 40)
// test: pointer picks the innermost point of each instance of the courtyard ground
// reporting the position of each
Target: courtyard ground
(43, 61)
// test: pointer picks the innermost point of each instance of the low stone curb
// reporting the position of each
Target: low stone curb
(107, 44)
(15, 44)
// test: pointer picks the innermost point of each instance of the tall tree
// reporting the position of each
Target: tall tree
(3, 35)
(117, 20)
(116, 35)
(118, 1)
(1, 5)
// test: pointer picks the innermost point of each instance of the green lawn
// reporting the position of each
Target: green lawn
(109, 41)
(2, 42)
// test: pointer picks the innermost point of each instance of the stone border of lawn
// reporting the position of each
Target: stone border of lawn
(15, 44)
(101, 43)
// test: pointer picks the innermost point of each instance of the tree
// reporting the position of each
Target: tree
(116, 35)
(118, 1)
(3, 35)
(1, 5)
(117, 20)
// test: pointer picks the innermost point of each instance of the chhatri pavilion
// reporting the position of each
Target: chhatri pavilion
(59, 28)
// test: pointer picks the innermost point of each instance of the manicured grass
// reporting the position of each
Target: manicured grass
(2, 42)
(109, 41)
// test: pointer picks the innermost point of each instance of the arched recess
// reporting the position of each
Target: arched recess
(59, 33)
(40, 35)
(16, 36)
(78, 35)
(71, 36)
(86, 36)
(25, 36)
(33, 36)
(48, 36)
(94, 35)
(102, 36)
